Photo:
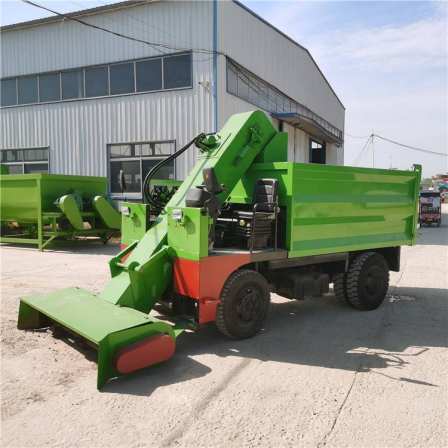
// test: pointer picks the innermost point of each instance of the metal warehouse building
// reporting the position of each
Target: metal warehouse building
(78, 100)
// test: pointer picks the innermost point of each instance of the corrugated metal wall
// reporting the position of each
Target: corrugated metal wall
(77, 132)
(274, 58)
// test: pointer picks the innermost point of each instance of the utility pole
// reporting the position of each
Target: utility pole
(373, 148)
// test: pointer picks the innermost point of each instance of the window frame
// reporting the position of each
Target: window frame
(107, 65)
(83, 89)
(132, 64)
(96, 67)
(38, 87)
(244, 76)
(24, 162)
(9, 78)
(133, 157)
(161, 72)
(19, 78)
(171, 56)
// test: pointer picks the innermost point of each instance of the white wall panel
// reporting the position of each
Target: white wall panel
(301, 146)
(77, 132)
(68, 44)
(270, 55)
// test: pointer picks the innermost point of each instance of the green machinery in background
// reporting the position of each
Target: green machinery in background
(243, 224)
(38, 208)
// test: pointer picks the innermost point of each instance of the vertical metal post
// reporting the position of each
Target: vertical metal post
(215, 63)
(39, 217)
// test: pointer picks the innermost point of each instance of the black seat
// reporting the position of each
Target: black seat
(259, 225)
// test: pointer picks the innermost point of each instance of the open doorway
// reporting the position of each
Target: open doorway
(318, 152)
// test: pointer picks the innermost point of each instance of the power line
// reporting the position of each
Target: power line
(356, 136)
(366, 145)
(158, 46)
(414, 148)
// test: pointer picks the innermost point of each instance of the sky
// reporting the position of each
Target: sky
(386, 60)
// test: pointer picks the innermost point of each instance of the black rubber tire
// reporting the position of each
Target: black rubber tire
(244, 288)
(367, 281)
(340, 287)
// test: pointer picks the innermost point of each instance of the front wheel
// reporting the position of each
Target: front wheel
(245, 300)
(367, 281)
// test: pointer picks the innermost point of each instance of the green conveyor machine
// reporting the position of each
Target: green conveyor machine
(36, 209)
(244, 223)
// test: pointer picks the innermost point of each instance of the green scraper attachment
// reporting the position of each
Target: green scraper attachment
(126, 339)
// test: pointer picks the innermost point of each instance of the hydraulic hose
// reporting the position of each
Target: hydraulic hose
(146, 193)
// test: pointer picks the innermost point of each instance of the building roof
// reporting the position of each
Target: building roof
(133, 3)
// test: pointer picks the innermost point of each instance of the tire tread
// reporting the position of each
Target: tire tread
(225, 293)
(353, 276)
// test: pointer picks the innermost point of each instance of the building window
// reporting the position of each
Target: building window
(9, 92)
(27, 89)
(149, 75)
(122, 78)
(249, 87)
(177, 71)
(72, 84)
(97, 82)
(318, 152)
(49, 87)
(30, 160)
(135, 160)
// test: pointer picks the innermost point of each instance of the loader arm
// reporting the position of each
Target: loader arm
(128, 338)
(229, 153)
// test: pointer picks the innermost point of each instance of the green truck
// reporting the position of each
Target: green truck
(245, 223)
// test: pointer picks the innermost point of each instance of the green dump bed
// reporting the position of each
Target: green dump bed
(333, 209)
(24, 197)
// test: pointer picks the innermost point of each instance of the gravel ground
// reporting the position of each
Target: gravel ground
(320, 374)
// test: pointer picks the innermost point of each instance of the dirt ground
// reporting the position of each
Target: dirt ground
(320, 374)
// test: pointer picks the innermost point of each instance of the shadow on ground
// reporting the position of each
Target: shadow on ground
(320, 332)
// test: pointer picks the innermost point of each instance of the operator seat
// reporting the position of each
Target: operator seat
(258, 227)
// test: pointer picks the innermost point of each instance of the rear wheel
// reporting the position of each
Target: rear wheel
(340, 287)
(367, 281)
(244, 304)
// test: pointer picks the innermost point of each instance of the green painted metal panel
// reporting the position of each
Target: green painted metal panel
(276, 150)
(241, 139)
(70, 208)
(188, 238)
(23, 195)
(108, 214)
(333, 209)
(134, 221)
(84, 313)
(342, 208)
(108, 327)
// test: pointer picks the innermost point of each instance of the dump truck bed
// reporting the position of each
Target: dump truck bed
(330, 209)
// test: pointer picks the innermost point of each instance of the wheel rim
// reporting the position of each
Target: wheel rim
(374, 281)
(248, 307)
